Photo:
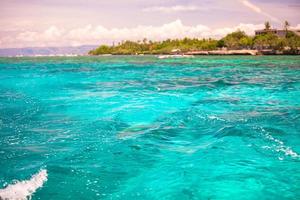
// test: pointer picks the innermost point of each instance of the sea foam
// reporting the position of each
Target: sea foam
(24, 189)
(280, 146)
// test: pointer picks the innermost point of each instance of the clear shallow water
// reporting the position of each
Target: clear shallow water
(145, 128)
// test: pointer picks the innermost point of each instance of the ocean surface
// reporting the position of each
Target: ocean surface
(143, 128)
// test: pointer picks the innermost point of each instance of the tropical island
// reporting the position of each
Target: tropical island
(265, 42)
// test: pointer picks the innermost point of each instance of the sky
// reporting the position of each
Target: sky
(38, 23)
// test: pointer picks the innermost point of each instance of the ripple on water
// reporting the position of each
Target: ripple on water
(145, 128)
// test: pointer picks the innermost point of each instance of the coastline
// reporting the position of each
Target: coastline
(219, 52)
(183, 55)
(243, 52)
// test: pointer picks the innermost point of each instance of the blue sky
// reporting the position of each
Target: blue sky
(76, 22)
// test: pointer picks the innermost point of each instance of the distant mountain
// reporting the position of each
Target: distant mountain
(47, 51)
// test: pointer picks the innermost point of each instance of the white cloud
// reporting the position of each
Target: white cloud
(297, 27)
(248, 28)
(257, 9)
(176, 8)
(49, 36)
(54, 36)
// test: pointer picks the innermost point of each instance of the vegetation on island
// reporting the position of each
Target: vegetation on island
(234, 41)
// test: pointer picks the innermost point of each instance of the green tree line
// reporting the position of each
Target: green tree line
(236, 40)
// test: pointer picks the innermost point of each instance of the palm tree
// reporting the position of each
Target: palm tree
(267, 26)
(286, 25)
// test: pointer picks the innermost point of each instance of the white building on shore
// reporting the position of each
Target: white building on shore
(278, 32)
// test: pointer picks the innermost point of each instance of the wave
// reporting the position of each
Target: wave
(280, 147)
(134, 131)
(288, 151)
(22, 190)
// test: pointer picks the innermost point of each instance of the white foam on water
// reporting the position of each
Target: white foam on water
(281, 147)
(22, 190)
(215, 117)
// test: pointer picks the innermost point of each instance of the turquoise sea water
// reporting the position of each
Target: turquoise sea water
(148, 128)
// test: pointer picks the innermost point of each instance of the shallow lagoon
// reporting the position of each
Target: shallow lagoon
(139, 127)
